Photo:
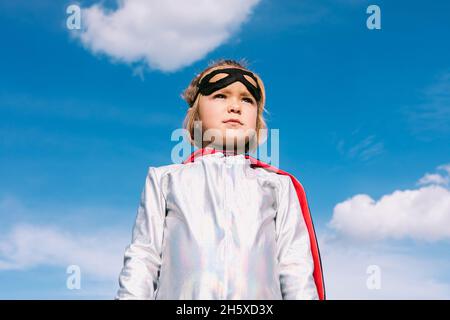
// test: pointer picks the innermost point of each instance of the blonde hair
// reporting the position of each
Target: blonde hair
(189, 94)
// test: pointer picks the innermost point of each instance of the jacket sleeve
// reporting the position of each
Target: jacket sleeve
(142, 260)
(295, 261)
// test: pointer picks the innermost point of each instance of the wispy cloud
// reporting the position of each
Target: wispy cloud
(445, 167)
(166, 35)
(79, 110)
(433, 178)
(359, 147)
(433, 114)
(366, 149)
(36, 239)
(28, 246)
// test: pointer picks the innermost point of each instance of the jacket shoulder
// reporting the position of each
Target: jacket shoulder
(161, 171)
(285, 178)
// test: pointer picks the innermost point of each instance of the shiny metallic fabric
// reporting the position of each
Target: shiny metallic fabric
(217, 229)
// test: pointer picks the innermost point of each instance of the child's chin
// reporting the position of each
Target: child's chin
(229, 142)
(233, 141)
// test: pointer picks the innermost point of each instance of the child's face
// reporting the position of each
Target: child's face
(231, 102)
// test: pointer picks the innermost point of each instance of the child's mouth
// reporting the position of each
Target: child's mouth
(233, 121)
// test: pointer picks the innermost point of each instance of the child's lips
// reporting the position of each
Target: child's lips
(233, 124)
(233, 121)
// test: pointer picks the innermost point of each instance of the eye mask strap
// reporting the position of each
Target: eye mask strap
(234, 74)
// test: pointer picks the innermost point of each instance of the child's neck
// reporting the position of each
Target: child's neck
(227, 150)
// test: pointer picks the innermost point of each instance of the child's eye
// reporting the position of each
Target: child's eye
(249, 100)
(219, 95)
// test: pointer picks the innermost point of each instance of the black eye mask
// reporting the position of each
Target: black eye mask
(205, 87)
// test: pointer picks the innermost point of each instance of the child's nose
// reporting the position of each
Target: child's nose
(234, 106)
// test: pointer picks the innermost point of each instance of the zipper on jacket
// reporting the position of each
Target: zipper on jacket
(225, 212)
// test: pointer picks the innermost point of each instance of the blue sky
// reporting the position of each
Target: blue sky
(359, 111)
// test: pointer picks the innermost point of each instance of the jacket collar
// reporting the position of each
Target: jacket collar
(210, 150)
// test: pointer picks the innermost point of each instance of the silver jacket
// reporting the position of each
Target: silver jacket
(216, 229)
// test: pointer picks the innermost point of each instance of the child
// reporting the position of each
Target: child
(222, 225)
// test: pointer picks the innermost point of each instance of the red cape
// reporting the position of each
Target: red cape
(318, 276)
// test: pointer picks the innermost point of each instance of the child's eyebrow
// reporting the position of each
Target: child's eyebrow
(243, 93)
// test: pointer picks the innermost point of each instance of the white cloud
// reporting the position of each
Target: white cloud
(405, 272)
(167, 35)
(403, 275)
(421, 214)
(445, 167)
(57, 236)
(98, 255)
(433, 178)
